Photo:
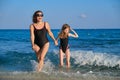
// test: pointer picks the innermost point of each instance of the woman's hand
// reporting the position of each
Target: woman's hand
(33, 46)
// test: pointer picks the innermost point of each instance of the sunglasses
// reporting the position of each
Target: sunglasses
(39, 15)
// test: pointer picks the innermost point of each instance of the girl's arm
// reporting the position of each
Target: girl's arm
(50, 32)
(75, 35)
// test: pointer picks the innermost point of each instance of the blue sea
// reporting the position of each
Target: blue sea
(96, 51)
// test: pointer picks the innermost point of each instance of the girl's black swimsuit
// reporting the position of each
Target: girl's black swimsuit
(40, 36)
(64, 44)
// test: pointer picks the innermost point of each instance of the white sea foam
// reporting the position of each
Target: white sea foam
(48, 66)
(80, 58)
(93, 58)
(34, 64)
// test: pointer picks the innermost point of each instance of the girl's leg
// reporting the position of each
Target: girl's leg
(42, 56)
(68, 58)
(61, 57)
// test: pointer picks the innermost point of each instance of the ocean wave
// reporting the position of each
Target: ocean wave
(83, 58)
(85, 61)
(94, 58)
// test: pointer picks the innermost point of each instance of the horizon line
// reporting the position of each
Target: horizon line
(54, 28)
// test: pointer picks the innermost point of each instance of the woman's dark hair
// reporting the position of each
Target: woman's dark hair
(35, 17)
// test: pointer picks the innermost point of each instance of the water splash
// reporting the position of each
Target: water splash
(93, 58)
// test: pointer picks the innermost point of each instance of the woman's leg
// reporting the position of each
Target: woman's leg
(61, 57)
(42, 56)
(37, 51)
(68, 58)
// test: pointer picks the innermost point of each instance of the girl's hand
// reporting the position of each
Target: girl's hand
(75, 35)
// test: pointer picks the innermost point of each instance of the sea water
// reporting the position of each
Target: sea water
(96, 52)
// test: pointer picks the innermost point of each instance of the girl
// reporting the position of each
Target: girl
(64, 47)
(39, 40)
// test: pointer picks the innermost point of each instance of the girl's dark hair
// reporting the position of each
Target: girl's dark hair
(35, 17)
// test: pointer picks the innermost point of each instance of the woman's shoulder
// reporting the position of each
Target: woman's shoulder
(32, 25)
(46, 23)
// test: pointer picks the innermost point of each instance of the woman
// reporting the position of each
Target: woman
(64, 47)
(39, 40)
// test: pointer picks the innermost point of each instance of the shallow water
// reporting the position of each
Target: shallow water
(52, 76)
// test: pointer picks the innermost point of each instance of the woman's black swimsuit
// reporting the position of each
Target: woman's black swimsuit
(64, 44)
(40, 36)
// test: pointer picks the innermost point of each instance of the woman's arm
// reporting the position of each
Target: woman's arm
(32, 34)
(75, 35)
(50, 32)
(57, 37)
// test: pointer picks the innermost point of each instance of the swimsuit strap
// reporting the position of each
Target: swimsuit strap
(45, 25)
(34, 26)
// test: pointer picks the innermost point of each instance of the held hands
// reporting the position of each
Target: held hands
(56, 42)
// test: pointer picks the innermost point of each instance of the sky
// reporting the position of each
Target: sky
(79, 14)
